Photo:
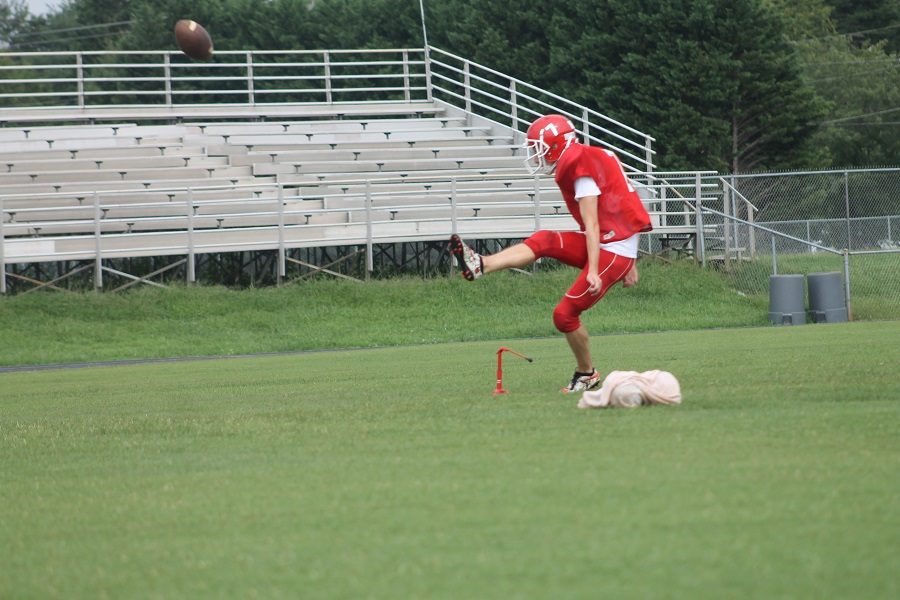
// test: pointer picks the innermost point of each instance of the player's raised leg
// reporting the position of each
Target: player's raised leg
(474, 265)
(514, 257)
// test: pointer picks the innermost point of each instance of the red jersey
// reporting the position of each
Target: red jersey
(621, 214)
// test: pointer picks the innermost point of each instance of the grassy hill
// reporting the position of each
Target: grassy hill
(326, 313)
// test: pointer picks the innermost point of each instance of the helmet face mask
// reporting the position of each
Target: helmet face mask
(535, 153)
(546, 140)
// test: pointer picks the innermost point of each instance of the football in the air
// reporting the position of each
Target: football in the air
(193, 39)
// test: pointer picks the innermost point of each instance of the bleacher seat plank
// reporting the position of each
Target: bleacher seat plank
(216, 112)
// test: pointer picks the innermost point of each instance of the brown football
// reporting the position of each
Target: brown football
(193, 39)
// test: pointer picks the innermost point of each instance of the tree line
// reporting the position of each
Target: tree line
(728, 85)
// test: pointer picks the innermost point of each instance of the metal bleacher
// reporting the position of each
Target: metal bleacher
(98, 183)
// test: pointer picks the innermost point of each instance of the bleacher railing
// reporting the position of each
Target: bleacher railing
(201, 219)
(265, 77)
(515, 103)
(165, 78)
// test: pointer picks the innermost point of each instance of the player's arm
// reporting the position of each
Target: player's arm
(588, 207)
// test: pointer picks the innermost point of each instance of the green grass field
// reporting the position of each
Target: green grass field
(211, 321)
(874, 279)
(394, 473)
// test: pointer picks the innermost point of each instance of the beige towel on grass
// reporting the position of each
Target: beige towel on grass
(630, 389)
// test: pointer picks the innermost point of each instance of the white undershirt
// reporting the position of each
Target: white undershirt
(585, 186)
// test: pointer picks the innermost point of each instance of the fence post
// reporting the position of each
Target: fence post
(585, 125)
(79, 73)
(98, 261)
(429, 91)
(370, 259)
(167, 72)
(736, 226)
(251, 90)
(698, 207)
(453, 215)
(191, 274)
(467, 85)
(513, 106)
(281, 253)
(774, 258)
(326, 61)
(648, 153)
(2, 252)
(726, 225)
(847, 207)
(406, 91)
(751, 218)
(664, 206)
(453, 226)
(847, 283)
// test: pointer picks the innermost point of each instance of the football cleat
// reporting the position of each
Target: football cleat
(582, 382)
(469, 261)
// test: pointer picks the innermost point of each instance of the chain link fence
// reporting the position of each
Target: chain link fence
(810, 222)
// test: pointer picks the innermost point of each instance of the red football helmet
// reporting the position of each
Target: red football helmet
(546, 140)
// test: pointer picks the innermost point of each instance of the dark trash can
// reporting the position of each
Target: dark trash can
(786, 295)
(827, 302)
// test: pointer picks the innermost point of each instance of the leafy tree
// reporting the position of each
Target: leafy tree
(862, 86)
(506, 35)
(728, 85)
(859, 82)
(869, 21)
(803, 19)
(13, 16)
(714, 80)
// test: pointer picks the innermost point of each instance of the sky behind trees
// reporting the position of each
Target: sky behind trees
(42, 7)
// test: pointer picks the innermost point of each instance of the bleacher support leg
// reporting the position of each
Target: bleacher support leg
(2, 255)
(98, 261)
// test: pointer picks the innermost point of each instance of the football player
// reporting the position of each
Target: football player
(610, 216)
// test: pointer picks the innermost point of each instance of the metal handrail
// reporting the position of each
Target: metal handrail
(734, 190)
(771, 231)
(161, 84)
(522, 94)
(523, 189)
(544, 92)
(160, 75)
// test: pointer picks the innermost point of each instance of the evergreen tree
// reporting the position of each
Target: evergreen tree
(862, 87)
(869, 21)
(714, 81)
(13, 16)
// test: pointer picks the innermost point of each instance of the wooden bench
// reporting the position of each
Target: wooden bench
(348, 150)
(110, 162)
(61, 132)
(355, 125)
(87, 188)
(52, 177)
(105, 151)
(399, 151)
(261, 141)
(211, 112)
(319, 167)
